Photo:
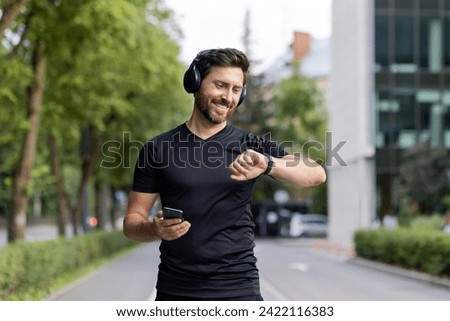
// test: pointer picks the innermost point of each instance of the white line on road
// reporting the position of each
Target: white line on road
(272, 291)
(302, 267)
(152, 296)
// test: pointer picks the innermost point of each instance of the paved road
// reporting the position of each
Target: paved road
(41, 232)
(296, 270)
(291, 269)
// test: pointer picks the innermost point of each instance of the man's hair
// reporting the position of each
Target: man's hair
(222, 57)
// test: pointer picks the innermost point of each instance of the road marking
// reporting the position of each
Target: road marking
(152, 296)
(302, 267)
(273, 292)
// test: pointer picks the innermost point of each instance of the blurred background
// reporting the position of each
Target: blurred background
(359, 86)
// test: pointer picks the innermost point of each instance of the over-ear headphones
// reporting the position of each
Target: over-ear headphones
(193, 79)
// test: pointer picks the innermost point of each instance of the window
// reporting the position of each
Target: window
(403, 4)
(404, 40)
(447, 42)
(428, 4)
(382, 40)
(424, 116)
(406, 112)
(381, 4)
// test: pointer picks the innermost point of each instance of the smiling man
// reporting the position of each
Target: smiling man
(207, 168)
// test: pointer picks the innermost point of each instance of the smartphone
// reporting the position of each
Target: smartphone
(169, 213)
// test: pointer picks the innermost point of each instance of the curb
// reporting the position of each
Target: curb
(424, 277)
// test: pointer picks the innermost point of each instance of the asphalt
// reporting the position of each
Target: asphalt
(103, 278)
(349, 255)
(321, 245)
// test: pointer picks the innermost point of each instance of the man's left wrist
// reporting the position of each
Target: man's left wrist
(270, 164)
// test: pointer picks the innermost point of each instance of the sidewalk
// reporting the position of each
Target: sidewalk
(131, 277)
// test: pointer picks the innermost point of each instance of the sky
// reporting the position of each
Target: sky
(207, 24)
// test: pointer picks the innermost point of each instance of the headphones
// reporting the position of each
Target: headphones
(193, 79)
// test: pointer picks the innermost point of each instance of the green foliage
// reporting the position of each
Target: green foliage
(422, 250)
(300, 117)
(446, 201)
(406, 215)
(111, 67)
(320, 200)
(428, 222)
(300, 123)
(15, 76)
(29, 270)
(423, 176)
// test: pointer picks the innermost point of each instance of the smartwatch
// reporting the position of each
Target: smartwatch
(269, 164)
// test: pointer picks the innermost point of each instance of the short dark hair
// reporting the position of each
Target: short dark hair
(222, 57)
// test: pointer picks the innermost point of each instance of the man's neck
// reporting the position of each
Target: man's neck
(202, 127)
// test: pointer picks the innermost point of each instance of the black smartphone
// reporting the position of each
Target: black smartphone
(169, 213)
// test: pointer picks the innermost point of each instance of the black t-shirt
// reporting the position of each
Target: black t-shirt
(215, 258)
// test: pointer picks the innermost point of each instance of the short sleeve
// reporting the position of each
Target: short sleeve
(146, 170)
(265, 146)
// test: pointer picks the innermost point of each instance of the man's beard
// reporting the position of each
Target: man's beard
(201, 104)
(205, 112)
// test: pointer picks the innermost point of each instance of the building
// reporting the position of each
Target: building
(313, 55)
(351, 148)
(388, 91)
(412, 79)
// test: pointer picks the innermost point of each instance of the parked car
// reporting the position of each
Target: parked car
(311, 225)
(273, 219)
(267, 220)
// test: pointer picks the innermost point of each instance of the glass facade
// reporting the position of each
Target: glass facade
(412, 83)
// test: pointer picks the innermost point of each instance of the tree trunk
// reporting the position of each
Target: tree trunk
(11, 10)
(114, 208)
(102, 204)
(22, 171)
(62, 198)
(98, 205)
(90, 153)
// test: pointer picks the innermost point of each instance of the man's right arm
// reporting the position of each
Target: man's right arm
(137, 225)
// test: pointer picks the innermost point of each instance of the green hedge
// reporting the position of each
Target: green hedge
(425, 251)
(29, 269)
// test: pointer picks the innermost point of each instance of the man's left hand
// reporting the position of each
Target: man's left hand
(248, 165)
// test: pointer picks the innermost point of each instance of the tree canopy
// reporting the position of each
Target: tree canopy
(108, 70)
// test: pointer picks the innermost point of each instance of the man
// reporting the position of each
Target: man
(207, 168)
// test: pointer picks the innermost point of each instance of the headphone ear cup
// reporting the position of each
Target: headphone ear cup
(192, 79)
(243, 94)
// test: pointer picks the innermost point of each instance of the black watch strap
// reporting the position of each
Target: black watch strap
(269, 164)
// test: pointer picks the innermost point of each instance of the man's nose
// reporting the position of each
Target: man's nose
(227, 95)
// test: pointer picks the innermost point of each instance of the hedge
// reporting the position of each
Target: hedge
(425, 251)
(28, 269)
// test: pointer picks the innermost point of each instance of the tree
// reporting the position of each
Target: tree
(300, 122)
(422, 179)
(10, 11)
(121, 81)
(256, 109)
(291, 113)
(33, 102)
(300, 117)
(108, 69)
